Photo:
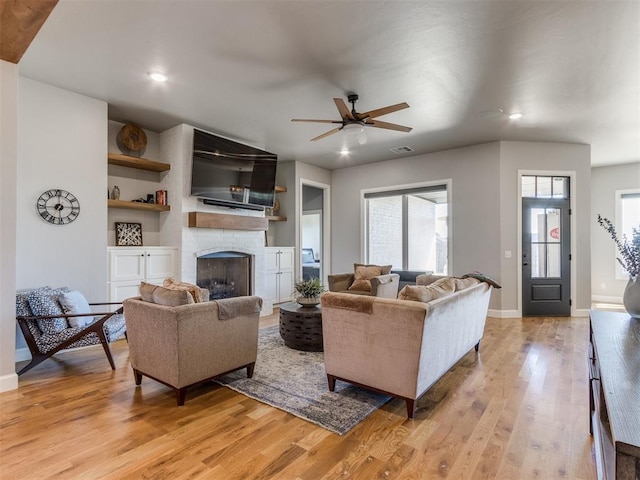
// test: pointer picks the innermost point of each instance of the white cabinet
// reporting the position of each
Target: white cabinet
(279, 263)
(128, 266)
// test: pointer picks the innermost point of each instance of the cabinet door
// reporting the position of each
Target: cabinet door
(271, 259)
(119, 291)
(160, 263)
(285, 286)
(126, 264)
(271, 290)
(287, 258)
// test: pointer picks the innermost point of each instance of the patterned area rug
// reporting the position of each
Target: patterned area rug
(296, 382)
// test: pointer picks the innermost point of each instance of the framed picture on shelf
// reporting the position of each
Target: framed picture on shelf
(128, 234)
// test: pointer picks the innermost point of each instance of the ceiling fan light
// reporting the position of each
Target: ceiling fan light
(355, 128)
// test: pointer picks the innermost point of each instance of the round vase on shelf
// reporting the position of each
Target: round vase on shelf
(308, 301)
(631, 297)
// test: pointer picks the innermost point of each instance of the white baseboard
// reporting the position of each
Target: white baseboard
(503, 313)
(22, 354)
(606, 299)
(581, 312)
(8, 382)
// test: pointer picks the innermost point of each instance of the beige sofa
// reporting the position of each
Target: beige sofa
(186, 345)
(401, 347)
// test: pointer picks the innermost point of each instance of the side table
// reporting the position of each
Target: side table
(301, 327)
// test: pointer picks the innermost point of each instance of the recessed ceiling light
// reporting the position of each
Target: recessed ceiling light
(515, 116)
(158, 77)
(344, 151)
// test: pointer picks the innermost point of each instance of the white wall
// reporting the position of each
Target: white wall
(474, 173)
(484, 209)
(62, 143)
(8, 165)
(604, 183)
(545, 157)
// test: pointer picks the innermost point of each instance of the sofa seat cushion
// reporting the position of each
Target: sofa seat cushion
(164, 296)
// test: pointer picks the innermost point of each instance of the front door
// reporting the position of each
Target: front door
(546, 272)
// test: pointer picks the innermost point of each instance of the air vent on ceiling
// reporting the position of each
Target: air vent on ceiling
(402, 150)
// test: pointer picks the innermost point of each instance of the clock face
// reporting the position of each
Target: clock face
(58, 207)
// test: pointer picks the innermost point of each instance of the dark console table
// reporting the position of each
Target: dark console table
(614, 387)
(301, 327)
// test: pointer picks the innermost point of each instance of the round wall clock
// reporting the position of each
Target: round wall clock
(58, 207)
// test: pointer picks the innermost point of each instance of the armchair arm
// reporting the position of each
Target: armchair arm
(385, 286)
(340, 281)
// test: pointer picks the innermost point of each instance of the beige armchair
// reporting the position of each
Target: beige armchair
(186, 345)
(371, 280)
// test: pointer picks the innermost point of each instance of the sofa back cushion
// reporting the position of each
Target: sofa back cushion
(45, 302)
(164, 296)
(426, 293)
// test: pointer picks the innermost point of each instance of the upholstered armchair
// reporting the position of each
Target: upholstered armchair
(183, 344)
(372, 280)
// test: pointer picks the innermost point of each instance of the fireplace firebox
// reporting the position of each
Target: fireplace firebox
(225, 274)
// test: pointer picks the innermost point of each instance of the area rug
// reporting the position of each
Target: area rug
(296, 382)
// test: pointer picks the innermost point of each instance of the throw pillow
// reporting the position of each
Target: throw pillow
(45, 302)
(164, 296)
(74, 302)
(362, 277)
(193, 290)
(427, 293)
(384, 269)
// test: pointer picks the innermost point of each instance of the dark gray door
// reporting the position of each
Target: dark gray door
(546, 272)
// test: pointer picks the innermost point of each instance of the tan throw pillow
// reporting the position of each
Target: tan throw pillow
(362, 277)
(427, 293)
(384, 269)
(193, 290)
(164, 296)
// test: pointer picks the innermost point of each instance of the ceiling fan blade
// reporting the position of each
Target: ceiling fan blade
(343, 109)
(378, 112)
(388, 126)
(314, 121)
(326, 134)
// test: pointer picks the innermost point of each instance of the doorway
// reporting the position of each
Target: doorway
(314, 244)
(546, 246)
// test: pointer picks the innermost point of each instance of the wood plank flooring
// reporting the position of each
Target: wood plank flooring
(519, 410)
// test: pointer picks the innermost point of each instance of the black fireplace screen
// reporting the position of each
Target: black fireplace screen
(224, 274)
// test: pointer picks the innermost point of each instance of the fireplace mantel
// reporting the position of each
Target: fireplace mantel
(230, 222)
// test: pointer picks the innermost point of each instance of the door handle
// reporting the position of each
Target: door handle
(525, 264)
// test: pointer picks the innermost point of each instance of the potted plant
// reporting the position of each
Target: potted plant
(308, 292)
(630, 260)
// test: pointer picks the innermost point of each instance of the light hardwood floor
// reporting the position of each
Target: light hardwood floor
(519, 410)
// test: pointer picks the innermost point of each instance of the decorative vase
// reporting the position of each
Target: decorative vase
(308, 301)
(631, 297)
(115, 193)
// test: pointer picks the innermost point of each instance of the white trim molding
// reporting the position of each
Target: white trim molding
(503, 313)
(8, 382)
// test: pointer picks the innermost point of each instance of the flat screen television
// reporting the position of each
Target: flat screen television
(232, 174)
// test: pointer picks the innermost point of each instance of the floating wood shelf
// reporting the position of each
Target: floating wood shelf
(280, 189)
(150, 207)
(275, 218)
(229, 222)
(137, 162)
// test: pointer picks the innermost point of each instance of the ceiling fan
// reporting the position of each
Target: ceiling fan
(354, 122)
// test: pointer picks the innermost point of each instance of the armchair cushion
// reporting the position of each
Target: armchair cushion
(164, 296)
(74, 302)
(362, 277)
(194, 290)
(384, 269)
(45, 302)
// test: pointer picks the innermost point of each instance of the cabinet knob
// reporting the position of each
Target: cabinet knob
(142, 254)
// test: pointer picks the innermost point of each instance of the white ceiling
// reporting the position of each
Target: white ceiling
(244, 69)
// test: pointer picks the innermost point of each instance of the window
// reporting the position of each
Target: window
(538, 186)
(408, 228)
(627, 218)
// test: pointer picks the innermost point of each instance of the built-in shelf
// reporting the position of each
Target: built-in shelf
(149, 207)
(137, 162)
(230, 222)
(280, 189)
(276, 218)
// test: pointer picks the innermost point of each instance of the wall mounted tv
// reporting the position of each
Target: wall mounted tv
(231, 174)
